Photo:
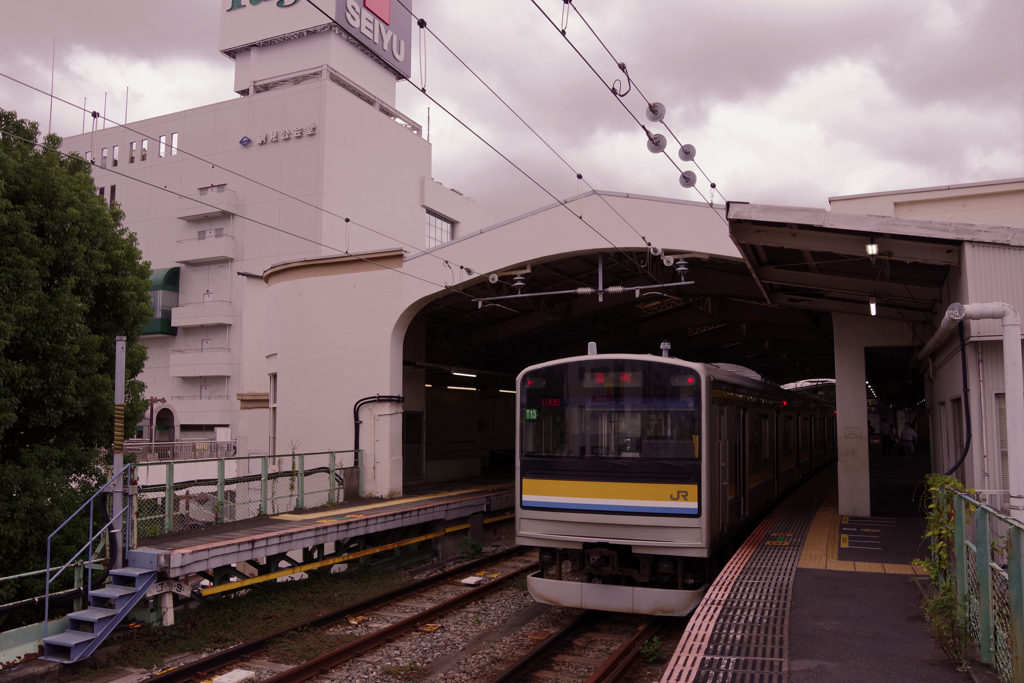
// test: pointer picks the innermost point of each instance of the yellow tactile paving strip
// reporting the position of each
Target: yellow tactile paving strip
(821, 548)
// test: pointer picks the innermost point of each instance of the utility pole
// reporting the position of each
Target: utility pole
(153, 400)
(118, 488)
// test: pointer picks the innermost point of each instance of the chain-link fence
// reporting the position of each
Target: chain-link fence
(989, 559)
(181, 496)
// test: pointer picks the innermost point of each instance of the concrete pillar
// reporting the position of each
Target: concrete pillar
(854, 333)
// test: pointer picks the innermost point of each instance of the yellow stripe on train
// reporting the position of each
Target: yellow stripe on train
(609, 490)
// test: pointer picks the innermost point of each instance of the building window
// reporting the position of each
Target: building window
(145, 148)
(103, 192)
(174, 144)
(103, 158)
(439, 229)
(273, 414)
(113, 195)
(116, 154)
(88, 157)
(131, 153)
(163, 146)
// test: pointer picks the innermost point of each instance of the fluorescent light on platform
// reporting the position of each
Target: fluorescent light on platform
(462, 374)
(463, 388)
(872, 249)
(871, 305)
(506, 391)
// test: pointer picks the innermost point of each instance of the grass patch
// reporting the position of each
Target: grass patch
(305, 644)
(408, 672)
(517, 582)
(222, 623)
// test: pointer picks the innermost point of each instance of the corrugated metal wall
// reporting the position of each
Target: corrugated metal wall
(994, 273)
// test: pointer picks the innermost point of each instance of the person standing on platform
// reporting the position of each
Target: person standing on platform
(886, 430)
(907, 438)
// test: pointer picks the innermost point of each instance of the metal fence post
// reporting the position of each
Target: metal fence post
(300, 500)
(169, 499)
(983, 560)
(1015, 571)
(959, 536)
(220, 492)
(264, 475)
(332, 493)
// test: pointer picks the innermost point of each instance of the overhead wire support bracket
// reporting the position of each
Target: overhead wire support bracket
(583, 291)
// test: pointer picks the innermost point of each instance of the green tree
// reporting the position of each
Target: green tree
(71, 280)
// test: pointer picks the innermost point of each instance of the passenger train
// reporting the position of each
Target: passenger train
(636, 476)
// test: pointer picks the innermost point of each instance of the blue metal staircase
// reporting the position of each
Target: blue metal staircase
(107, 607)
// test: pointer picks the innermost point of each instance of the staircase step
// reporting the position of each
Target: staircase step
(93, 614)
(69, 638)
(113, 592)
(133, 572)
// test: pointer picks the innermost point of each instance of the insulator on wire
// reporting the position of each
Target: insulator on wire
(585, 290)
(682, 268)
(657, 143)
(688, 179)
(687, 152)
(615, 289)
(655, 112)
(519, 282)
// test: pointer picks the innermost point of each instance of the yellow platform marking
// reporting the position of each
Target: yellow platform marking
(821, 547)
(373, 506)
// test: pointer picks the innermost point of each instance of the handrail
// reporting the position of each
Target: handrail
(115, 516)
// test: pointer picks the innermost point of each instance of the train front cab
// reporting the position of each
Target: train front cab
(611, 483)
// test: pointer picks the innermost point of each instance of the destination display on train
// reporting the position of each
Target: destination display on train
(598, 380)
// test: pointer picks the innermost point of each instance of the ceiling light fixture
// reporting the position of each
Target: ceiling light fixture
(871, 248)
(506, 391)
(463, 374)
(463, 388)
(872, 306)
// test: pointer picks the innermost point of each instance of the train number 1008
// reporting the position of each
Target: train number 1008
(550, 402)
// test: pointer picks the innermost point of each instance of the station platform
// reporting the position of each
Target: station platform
(431, 508)
(814, 596)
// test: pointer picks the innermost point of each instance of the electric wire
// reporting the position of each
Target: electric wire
(494, 149)
(243, 177)
(579, 176)
(251, 220)
(643, 127)
(638, 90)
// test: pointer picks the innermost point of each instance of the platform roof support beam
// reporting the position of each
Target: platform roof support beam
(853, 334)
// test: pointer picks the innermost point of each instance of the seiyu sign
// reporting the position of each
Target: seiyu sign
(383, 26)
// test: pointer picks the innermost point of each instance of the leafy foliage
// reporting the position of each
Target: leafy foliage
(651, 651)
(944, 608)
(71, 279)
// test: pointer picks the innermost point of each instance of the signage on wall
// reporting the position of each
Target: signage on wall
(382, 26)
(283, 134)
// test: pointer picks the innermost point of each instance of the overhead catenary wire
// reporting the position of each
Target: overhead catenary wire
(579, 176)
(238, 175)
(422, 23)
(640, 92)
(650, 136)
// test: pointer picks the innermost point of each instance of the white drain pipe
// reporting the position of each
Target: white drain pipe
(1013, 370)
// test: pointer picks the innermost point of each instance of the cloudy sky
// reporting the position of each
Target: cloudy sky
(786, 101)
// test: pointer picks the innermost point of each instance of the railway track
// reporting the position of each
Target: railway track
(210, 666)
(619, 639)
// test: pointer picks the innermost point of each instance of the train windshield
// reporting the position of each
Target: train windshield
(611, 409)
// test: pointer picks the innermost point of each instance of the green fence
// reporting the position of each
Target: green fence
(192, 494)
(989, 559)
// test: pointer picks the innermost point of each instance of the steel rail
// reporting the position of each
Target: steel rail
(200, 668)
(324, 663)
(619, 662)
(536, 654)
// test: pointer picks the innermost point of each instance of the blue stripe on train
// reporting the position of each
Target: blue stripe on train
(611, 508)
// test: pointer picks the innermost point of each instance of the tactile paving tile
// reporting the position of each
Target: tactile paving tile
(739, 632)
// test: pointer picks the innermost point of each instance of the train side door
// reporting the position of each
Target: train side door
(723, 468)
(737, 452)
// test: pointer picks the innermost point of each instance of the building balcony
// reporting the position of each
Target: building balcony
(210, 202)
(199, 315)
(201, 363)
(206, 249)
